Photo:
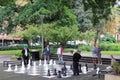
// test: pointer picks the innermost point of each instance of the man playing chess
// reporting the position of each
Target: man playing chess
(76, 58)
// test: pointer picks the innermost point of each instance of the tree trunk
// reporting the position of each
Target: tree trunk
(96, 37)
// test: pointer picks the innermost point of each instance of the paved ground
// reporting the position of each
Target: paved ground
(13, 76)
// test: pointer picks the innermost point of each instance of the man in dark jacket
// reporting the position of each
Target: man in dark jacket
(76, 58)
(46, 53)
(25, 55)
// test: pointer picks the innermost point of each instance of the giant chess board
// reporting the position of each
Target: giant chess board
(51, 70)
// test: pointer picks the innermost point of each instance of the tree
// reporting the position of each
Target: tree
(58, 11)
(29, 33)
(60, 34)
(88, 36)
(6, 14)
(83, 17)
(7, 2)
(101, 9)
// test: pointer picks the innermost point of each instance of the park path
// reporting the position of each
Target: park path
(7, 57)
(4, 58)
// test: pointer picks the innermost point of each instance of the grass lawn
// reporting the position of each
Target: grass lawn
(68, 50)
(104, 52)
(10, 52)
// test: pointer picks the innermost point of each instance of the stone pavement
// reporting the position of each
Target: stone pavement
(13, 76)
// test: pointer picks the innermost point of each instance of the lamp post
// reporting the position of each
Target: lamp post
(42, 31)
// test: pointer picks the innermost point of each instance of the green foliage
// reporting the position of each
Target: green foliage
(100, 8)
(84, 48)
(83, 17)
(60, 34)
(104, 47)
(108, 38)
(7, 2)
(30, 32)
(18, 54)
(88, 36)
(110, 46)
(116, 67)
(18, 48)
(6, 13)
(53, 10)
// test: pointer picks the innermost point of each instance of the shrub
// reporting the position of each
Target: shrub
(108, 38)
(116, 67)
(84, 48)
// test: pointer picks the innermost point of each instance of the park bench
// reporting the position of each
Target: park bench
(12, 62)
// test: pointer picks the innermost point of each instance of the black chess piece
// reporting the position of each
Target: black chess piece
(95, 66)
(62, 70)
(65, 66)
(64, 73)
(80, 71)
(59, 74)
(55, 72)
(48, 72)
(71, 67)
(86, 67)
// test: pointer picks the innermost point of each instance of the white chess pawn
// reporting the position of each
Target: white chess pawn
(9, 68)
(45, 62)
(28, 67)
(16, 68)
(51, 62)
(40, 63)
(54, 63)
(34, 70)
(84, 70)
(23, 66)
(98, 69)
(34, 66)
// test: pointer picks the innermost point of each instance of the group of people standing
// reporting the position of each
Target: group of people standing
(96, 54)
(46, 54)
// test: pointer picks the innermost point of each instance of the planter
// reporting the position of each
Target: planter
(112, 77)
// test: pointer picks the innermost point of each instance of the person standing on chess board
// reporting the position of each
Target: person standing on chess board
(25, 55)
(46, 53)
(94, 54)
(76, 58)
(60, 54)
(99, 55)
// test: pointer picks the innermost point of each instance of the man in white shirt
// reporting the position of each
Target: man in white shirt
(60, 56)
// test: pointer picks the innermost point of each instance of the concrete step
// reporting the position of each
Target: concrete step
(83, 59)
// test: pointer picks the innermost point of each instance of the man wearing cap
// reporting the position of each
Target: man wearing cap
(25, 55)
(76, 58)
